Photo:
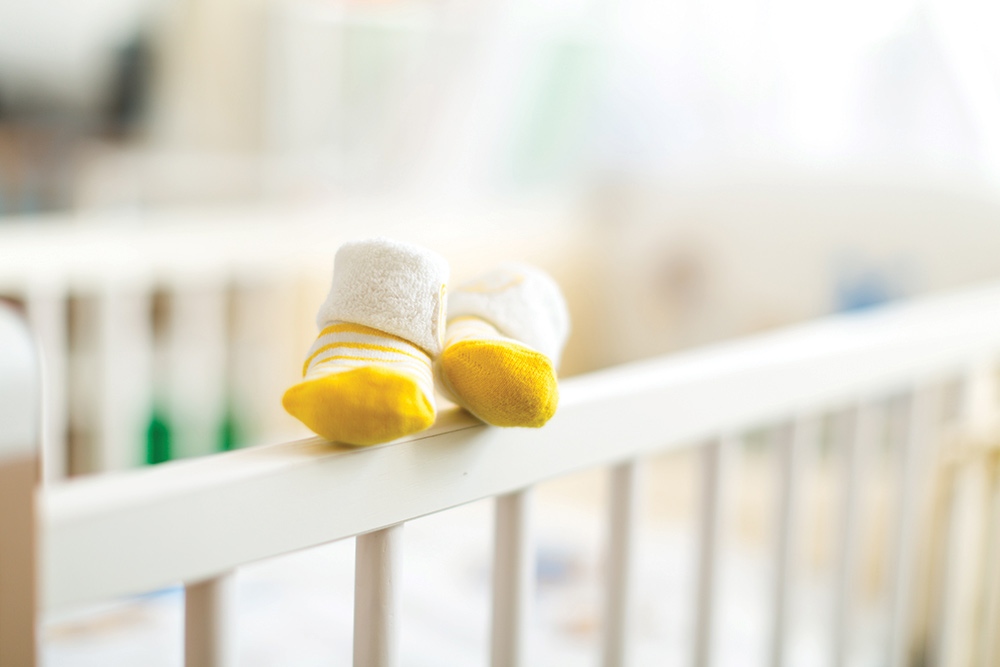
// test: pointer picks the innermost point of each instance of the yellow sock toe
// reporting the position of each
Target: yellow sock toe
(364, 406)
(501, 382)
(363, 386)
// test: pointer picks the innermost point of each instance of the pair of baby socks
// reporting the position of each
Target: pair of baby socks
(386, 333)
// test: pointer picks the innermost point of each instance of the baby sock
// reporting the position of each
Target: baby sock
(367, 378)
(505, 335)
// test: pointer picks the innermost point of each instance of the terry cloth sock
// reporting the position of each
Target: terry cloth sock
(367, 378)
(505, 335)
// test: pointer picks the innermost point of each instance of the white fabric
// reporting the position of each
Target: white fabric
(522, 302)
(394, 287)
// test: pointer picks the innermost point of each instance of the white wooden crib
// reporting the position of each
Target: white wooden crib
(198, 521)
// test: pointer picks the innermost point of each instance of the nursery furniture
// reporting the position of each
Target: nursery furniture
(197, 521)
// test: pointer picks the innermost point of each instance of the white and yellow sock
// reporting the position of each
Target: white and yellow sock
(363, 386)
(367, 378)
(502, 345)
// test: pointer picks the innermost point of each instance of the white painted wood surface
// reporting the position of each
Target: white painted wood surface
(622, 543)
(125, 347)
(513, 581)
(981, 592)
(46, 306)
(711, 520)
(377, 583)
(20, 384)
(126, 533)
(989, 636)
(962, 562)
(212, 244)
(860, 436)
(19, 466)
(209, 618)
(196, 371)
(920, 412)
(963, 570)
(801, 436)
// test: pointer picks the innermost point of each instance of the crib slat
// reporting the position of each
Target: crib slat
(960, 566)
(209, 635)
(513, 580)
(860, 436)
(714, 465)
(622, 536)
(376, 597)
(46, 309)
(196, 372)
(125, 340)
(919, 409)
(792, 443)
(989, 638)
(110, 449)
(964, 543)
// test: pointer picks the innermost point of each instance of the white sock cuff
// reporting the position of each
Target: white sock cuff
(395, 287)
(522, 302)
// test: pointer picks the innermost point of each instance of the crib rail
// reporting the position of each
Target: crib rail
(133, 531)
(247, 505)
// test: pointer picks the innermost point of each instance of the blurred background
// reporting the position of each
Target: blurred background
(176, 175)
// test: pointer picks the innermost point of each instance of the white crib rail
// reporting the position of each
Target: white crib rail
(198, 520)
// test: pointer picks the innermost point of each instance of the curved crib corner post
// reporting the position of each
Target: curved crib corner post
(19, 466)
(46, 311)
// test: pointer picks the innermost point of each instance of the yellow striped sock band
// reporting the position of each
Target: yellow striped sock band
(342, 347)
(472, 328)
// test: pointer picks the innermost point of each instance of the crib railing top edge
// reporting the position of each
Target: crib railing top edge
(102, 492)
